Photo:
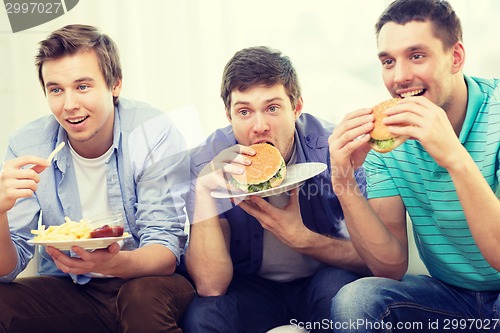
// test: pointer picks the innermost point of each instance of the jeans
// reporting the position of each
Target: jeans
(57, 305)
(414, 304)
(254, 305)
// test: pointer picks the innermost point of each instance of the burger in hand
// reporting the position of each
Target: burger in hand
(381, 139)
(267, 170)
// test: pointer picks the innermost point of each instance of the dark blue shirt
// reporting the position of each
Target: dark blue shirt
(320, 209)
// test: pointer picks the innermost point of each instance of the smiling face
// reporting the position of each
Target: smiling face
(264, 114)
(414, 62)
(81, 101)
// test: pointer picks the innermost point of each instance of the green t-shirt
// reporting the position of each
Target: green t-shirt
(442, 235)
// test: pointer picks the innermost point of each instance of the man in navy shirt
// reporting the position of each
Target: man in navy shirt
(274, 261)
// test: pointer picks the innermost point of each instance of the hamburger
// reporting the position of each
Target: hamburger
(381, 139)
(267, 170)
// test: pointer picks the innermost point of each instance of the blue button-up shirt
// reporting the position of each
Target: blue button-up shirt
(320, 208)
(147, 178)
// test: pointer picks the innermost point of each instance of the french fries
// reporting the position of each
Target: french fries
(68, 231)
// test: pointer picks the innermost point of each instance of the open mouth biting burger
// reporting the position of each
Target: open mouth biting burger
(267, 170)
(381, 139)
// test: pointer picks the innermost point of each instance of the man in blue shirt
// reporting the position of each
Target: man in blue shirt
(446, 177)
(120, 156)
(265, 263)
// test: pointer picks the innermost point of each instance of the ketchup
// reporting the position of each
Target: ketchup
(106, 231)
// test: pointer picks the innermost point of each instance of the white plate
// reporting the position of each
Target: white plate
(86, 244)
(296, 175)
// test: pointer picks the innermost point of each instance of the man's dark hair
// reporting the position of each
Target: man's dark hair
(259, 66)
(445, 22)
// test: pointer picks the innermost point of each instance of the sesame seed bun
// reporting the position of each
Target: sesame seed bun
(266, 163)
(382, 140)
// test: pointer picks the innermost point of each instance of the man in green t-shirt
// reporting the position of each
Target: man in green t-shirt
(445, 176)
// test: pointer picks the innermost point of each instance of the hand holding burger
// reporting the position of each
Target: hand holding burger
(381, 139)
(267, 170)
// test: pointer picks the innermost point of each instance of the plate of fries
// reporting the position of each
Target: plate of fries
(86, 244)
(73, 233)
